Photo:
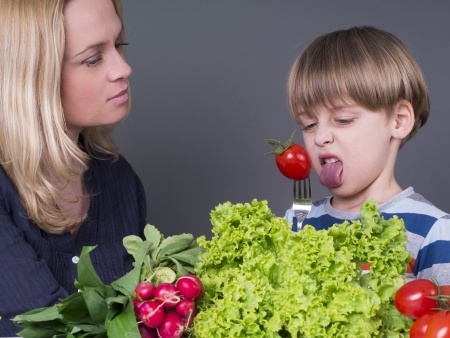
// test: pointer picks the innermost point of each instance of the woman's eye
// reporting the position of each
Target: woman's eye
(93, 61)
(121, 45)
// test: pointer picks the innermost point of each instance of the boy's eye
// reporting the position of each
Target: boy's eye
(308, 126)
(344, 121)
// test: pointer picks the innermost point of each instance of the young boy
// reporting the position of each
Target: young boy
(358, 96)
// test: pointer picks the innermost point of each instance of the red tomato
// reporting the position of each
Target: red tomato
(291, 158)
(439, 325)
(294, 162)
(419, 327)
(413, 298)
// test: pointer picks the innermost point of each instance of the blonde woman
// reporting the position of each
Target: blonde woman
(63, 183)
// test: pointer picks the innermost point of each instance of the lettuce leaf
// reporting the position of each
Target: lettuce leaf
(262, 280)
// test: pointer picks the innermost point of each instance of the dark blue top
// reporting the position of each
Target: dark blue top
(38, 269)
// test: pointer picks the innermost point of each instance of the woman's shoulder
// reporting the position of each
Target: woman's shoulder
(111, 163)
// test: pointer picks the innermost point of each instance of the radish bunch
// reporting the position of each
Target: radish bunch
(167, 309)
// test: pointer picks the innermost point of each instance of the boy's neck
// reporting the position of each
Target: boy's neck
(353, 203)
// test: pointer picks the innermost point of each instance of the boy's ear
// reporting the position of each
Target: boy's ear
(403, 119)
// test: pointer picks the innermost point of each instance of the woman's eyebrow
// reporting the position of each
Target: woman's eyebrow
(90, 47)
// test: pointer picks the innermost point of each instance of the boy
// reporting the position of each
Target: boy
(358, 96)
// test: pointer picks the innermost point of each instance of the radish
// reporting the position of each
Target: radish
(136, 304)
(147, 332)
(144, 290)
(172, 326)
(151, 314)
(168, 294)
(186, 309)
(190, 286)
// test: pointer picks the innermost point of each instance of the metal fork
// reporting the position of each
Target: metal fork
(302, 202)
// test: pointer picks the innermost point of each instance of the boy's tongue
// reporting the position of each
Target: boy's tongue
(330, 176)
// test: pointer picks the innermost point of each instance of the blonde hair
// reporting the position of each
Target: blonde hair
(363, 65)
(34, 144)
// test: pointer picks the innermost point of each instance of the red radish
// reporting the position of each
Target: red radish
(190, 286)
(189, 320)
(144, 290)
(147, 332)
(136, 304)
(172, 326)
(168, 294)
(151, 314)
(185, 307)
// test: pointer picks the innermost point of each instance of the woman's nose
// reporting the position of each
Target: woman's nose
(120, 69)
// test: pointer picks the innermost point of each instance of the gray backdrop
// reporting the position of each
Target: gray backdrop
(208, 88)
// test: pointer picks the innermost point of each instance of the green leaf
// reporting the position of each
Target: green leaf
(96, 305)
(180, 269)
(41, 314)
(152, 235)
(190, 256)
(87, 276)
(127, 283)
(123, 325)
(132, 244)
(39, 332)
(74, 310)
(88, 331)
(174, 244)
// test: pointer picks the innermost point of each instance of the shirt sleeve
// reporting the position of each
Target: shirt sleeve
(25, 281)
(433, 258)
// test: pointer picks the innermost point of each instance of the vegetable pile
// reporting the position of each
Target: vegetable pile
(422, 301)
(261, 280)
(254, 278)
(100, 310)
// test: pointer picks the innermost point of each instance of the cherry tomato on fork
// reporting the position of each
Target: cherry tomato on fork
(292, 159)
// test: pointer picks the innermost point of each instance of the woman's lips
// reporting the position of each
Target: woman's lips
(122, 97)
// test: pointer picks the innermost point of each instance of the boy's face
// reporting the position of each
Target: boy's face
(352, 149)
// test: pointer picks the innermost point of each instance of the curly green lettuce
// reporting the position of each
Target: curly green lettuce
(262, 280)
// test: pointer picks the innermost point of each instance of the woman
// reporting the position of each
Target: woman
(63, 184)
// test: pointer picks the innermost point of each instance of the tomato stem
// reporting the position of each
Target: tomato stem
(279, 146)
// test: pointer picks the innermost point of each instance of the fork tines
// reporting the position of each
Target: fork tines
(302, 202)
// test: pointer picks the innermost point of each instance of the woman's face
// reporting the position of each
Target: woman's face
(95, 74)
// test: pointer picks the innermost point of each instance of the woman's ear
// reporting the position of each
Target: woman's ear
(403, 119)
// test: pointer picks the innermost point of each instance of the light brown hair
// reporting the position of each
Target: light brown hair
(364, 65)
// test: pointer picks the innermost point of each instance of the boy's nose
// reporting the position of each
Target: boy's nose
(323, 136)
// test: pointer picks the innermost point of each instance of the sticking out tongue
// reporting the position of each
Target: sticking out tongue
(330, 176)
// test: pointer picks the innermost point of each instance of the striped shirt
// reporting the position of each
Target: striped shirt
(427, 229)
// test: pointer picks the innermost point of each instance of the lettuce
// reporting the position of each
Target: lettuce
(262, 280)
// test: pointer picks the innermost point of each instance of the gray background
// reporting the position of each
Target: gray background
(208, 88)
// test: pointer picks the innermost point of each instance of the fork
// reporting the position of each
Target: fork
(302, 202)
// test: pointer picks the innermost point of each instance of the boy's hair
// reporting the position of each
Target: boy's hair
(362, 65)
